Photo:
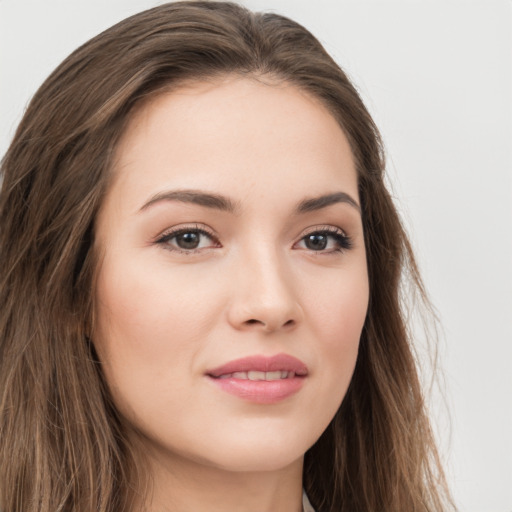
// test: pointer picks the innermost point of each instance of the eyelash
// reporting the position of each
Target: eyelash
(343, 241)
(169, 235)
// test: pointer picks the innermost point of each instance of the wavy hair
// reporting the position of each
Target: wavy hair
(63, 447)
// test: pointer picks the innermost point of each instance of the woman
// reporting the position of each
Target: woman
(200, 287)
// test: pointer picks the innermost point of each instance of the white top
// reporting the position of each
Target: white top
(306, 506)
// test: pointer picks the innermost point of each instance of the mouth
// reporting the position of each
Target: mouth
(256, 375)
(257, 367)
(261, 379)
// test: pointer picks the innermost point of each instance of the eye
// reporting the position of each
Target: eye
(188, 240)
(328, 240)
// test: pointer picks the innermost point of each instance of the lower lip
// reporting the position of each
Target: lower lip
(260, 391)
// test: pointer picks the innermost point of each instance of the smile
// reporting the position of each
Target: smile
(260, 367)
(260, 379)
(256, 375)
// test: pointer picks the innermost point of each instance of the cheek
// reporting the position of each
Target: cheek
(143, 307)
(337, 306)
(338, 314)
(150, 324)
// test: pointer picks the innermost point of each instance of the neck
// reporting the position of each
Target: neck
(189, 486)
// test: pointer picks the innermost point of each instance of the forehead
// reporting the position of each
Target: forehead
(235, 130)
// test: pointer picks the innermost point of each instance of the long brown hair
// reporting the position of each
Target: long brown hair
(62, 444)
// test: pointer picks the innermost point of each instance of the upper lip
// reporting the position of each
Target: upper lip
(259, 363)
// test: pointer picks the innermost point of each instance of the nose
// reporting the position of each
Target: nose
(264, 296)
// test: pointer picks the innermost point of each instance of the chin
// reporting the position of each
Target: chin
(263, 453)
(257, 462)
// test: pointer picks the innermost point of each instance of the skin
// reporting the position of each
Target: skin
(256, 286)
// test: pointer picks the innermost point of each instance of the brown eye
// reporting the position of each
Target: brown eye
(316, 241)
(188, 240)
(326, 240)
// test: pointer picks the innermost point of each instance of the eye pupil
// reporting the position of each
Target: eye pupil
(188, 240)
(316, 242)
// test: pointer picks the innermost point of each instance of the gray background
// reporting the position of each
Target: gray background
(437, 77)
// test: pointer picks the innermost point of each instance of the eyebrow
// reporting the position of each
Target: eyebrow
(214, 201)
(317, 203)
(222, 203)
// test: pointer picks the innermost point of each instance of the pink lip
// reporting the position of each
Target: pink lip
(279, 362)
(260, 391)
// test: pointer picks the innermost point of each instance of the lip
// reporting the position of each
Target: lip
(260, 391)
(279, 362)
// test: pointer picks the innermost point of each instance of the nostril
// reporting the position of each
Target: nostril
(254, 321)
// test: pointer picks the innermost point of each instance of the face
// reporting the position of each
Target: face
(233, 285)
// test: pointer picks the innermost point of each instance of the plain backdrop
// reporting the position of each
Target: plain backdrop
(437, 77)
